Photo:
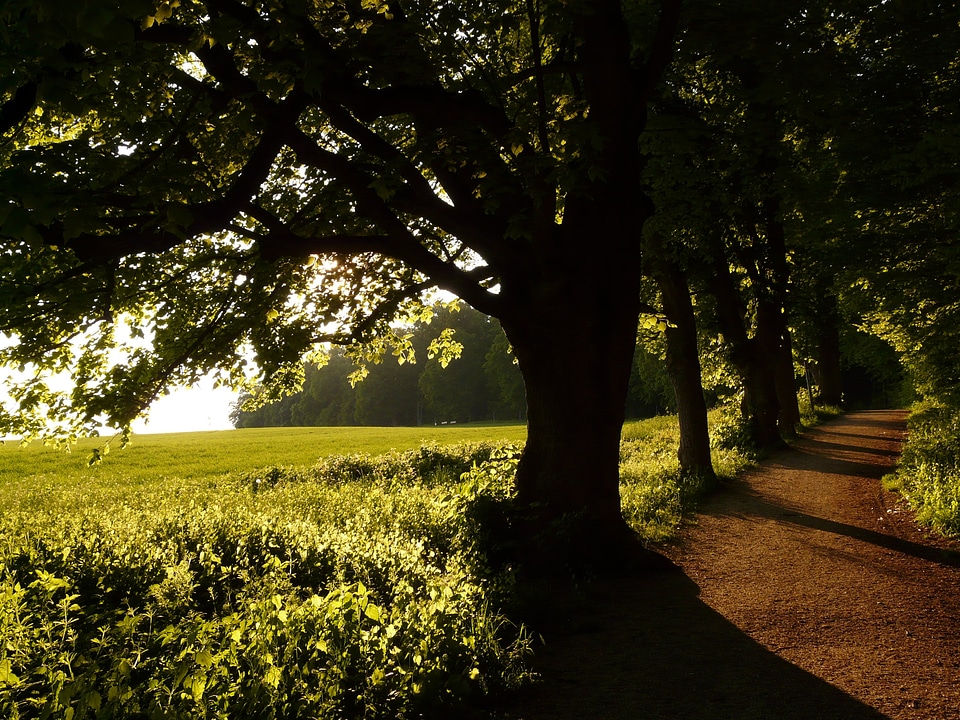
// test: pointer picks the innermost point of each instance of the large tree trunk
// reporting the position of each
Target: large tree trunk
(573, 328)
(683, 367)
(575, 355)
(569, 303)
(761, 395)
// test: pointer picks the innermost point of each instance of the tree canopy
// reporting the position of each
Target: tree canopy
(195, 186)
(224, 180)
(209, 152)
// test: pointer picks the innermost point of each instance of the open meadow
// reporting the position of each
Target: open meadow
(315, 572)
(214, 453)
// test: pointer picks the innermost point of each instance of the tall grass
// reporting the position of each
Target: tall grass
(928, 475)
(654, 495)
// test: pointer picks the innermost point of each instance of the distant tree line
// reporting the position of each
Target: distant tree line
(483, 384)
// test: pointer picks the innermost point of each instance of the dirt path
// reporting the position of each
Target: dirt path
(806, 592)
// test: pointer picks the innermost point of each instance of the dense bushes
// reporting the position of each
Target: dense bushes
(365, 586)
(929, 470)
(353, 589)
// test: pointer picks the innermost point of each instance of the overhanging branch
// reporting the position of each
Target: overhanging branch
(15, 110)
(661, 50)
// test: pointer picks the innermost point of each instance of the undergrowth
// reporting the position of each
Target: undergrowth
(813, 416)
(364, 586)
(655, 495)
(928, 475)
(354, 589)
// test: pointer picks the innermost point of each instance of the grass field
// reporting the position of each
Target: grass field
(211, 454)
(314, 572)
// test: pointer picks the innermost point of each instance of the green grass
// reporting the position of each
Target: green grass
(654, 497)
(215, 453)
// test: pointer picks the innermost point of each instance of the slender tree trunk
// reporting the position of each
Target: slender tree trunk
(683, 367)
(753, 358)
(789, 417)
(775, 295)
(806, 379)
(828, 365)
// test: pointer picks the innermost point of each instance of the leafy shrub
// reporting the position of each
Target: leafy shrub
(731, 431)
(929, 470)
(428, 465)
(813, 416)
(312, 597)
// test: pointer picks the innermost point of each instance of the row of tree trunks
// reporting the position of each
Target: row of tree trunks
(574, 427)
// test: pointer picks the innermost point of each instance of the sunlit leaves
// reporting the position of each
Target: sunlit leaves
(444, 348)
(249, 181)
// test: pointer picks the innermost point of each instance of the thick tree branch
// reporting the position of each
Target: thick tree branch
(661, 50)
(470, 226)
(428, 103)
(466, 220)
(400, 245)
(16, 109)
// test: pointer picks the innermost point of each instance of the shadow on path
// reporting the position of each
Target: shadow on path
(649, 649)
(828, 445)
(760, 508)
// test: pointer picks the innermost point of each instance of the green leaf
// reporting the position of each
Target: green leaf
(94, 701)
(6, 674)
(204, 658)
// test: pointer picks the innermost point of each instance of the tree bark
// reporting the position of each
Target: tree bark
(569, 303)
(572, 323)
(753, 358)
(760, 404)
(789, 417)
(576, 365)
(683, 367)
(828, 365)
(778, 271)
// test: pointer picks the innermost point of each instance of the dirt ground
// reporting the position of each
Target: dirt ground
(804, 591)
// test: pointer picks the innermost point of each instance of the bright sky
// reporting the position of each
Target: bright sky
(202, 407)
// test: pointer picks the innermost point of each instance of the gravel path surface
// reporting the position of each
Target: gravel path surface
(805, 591)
